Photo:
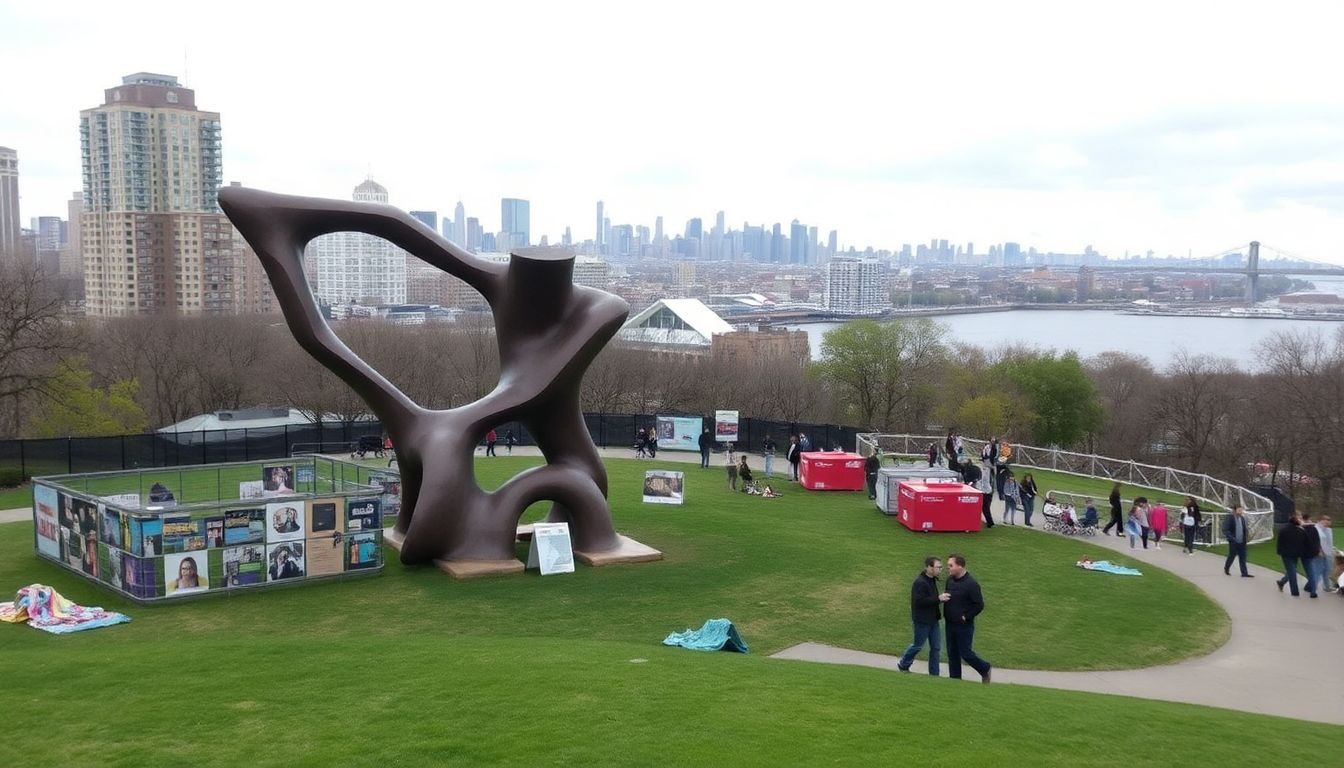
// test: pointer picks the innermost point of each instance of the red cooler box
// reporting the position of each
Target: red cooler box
(831, 471)
(939, 506)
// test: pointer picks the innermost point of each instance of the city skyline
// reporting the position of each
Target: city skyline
(1038, 124)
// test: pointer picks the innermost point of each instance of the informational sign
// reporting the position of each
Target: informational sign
(251, 489)
(725, 426)
(551, 550)
(123, 500)
(663, 487)
(679, 433)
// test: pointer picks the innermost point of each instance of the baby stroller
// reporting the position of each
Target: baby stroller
(368, 444)
(1073, 526)
(1054, 517)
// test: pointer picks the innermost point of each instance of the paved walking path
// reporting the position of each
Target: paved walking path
(1282, 657)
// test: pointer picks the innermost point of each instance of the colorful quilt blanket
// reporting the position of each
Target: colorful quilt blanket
(44, 608)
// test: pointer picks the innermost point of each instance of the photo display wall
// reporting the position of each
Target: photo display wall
(251, 542)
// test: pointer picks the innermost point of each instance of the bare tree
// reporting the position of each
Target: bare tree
(1127, 385)
(1196, 405)
(33, 334)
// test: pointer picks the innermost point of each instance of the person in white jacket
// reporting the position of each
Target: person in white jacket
(1322, 562)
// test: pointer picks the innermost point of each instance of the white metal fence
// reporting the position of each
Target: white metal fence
(1216, 497)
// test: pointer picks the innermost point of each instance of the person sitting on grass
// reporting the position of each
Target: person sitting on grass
(770, 493)
(744, 473)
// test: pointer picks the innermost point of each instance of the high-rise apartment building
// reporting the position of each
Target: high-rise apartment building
(459, 225)
(72, 259)
(600, 229)
(355, 268)
(515, 220)
(10, 228)
(797, 243)
(854, 287)
(154, 239)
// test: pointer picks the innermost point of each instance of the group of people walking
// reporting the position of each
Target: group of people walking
(958, 604)
(1313, 546)
(492, 437)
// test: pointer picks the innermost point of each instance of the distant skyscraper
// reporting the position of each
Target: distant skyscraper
(694, 229)
(154, 237)
(797, 243)
(72, 260)
(448, 229)
(600, 230)
(516, 219)
(355, 268)
(658, 233)
(1012, 255)
(10, 228)
(474, 234)
(832, 243)
(854, 287)
(568, 239)
(776, 244)
(460, 224)
(428, 218)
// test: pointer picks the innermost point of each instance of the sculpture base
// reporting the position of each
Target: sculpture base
(471, 569)
(629, 551)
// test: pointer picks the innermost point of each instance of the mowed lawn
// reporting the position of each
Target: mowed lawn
(413, 668)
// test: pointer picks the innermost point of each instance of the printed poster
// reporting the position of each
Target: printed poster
(363, 515)
(146, 536)
(244, 526)
(184, 574)
(284, 561)
(182, 534)
(326, 518)
(138, 577)
(110, 528)
(678, 433)
(326, 556)
(214, 531)
(725, 426)
(45, 504)
(284, 521)
(251, 489)
(79, 535)
(362, 551)
(110, 565)
(244, 565)
(663, 487)
(277, 480)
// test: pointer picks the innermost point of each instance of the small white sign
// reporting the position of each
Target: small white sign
(123, 500)
(551, 550)
(663, 487)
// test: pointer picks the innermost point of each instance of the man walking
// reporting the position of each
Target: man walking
(871, 466)
(795, 455)
(768, 453)
(1311, 549)
(1290, 546)
(962, 602)
(1234, 530)
(490, 439)
(706, 442)
(1327, 534)
(924, 600)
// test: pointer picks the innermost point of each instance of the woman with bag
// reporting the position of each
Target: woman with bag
(1190, 520)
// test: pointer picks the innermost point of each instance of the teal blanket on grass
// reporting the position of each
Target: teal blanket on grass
(1105, 566)
(715, 635)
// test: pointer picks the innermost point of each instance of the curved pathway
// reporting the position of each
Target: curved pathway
(1282, 656)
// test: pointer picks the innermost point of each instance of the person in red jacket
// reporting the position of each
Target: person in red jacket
(490, 439)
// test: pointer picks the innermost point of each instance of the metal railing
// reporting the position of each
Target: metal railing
(1216, 497)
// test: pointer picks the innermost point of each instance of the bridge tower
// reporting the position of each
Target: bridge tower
(1252, 271)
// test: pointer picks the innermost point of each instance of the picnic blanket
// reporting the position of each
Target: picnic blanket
(44, 608)
(1106, 566)
(715, 635)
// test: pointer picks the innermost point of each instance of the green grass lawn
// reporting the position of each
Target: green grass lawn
(413, 668)
(16, 498)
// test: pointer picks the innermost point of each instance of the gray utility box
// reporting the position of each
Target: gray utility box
(889, 478)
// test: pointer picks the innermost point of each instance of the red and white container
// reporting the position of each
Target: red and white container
(939, 506)
(831, 471)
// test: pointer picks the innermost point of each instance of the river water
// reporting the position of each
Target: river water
(1091, 332)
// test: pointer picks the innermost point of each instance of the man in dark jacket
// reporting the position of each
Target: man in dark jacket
(1235, 530)
(1291, 543)
(962, 602)
(795, 455)
(706, 442)
(871, 465)
(1311, 549)
(924, 616)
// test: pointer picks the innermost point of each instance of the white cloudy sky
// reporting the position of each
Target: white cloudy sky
(1176, 126)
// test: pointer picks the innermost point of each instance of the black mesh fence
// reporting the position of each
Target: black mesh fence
(59, 456)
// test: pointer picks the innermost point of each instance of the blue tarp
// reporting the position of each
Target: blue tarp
(715, 635)
(1106, 566)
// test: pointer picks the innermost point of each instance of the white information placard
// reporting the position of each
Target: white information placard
(725, 426)
(663, 486)
(551, 550)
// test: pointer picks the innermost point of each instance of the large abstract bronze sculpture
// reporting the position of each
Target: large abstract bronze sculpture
(548, 331)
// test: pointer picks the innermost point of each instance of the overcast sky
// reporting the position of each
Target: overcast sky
(1175, 126)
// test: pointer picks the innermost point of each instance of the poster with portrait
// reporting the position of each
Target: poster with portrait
(277, 480)
(284, 521)
(214, 531)
(678, 433)
(109, 565)
(182, 534)
(284, 561)
(244, 565)
(362, 551)
(326, 557)
(725, 426)
(326, 518)
(244, 526)
(45, 504)
(82, 536)
(185, 573)
(139, 577)
(363, 515)
(664, 487)
(109, 528)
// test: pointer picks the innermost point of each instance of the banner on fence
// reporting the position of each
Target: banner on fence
(678, 433)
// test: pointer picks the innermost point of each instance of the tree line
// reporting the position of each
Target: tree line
(67, 375)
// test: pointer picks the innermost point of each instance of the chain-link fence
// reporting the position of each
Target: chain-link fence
(1215, 496)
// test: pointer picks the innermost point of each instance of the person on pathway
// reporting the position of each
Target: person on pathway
(959, 445)
(641, 444)
(962, 602)
(706, 442)
(768, 453)
(933, 454)
(730, 455)
(1116, 512)
(871, 465)
(1327, 534)
(1235, 531)
(490, 439)
(1027, 493)
(652, 443)
(1141, 504)
(1290, 544)
(950, 448)
(985, 486)
(1157, 522)
(989, 454)
(1133, 525)
(794, 456)
(509, 441)
(924, 615)
(1311, 549)
(1190, 521)
(1009, 492)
